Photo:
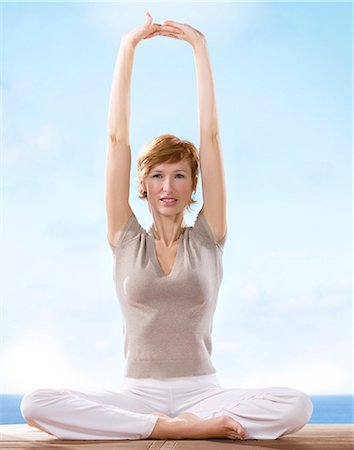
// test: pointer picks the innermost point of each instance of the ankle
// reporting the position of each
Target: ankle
(162, 429)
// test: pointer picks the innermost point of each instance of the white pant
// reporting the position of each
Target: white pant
(265, 413)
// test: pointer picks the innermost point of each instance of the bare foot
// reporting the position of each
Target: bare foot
(190, 426)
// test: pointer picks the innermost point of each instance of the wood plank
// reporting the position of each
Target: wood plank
(311, 437)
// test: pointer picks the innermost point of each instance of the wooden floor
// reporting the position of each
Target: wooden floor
(311, 437)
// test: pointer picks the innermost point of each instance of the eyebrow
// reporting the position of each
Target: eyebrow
(178, 170)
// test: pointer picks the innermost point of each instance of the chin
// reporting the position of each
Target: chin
(171, 209)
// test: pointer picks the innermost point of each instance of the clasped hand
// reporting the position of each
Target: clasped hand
(167, 28)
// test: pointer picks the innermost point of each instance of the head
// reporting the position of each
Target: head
(168, 166)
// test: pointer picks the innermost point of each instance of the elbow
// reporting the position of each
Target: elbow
(215, 135)
(115, 140)
(210, 133)
(112, 138)
(210, 136)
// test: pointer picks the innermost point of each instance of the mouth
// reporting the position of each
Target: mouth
(168, 201)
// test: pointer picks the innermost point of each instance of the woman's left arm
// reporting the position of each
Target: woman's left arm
(210, 153)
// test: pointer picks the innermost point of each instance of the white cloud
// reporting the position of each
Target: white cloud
(40, 360)
(37, 361)
(322, 378)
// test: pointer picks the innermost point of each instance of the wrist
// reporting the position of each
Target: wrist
(200, 45)
(128, 42)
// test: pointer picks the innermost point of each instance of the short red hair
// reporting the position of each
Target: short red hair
(170, 149)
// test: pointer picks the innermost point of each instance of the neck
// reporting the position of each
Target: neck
(158, 237)
(167, 229)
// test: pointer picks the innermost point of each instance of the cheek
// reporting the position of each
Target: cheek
(186, 188)
(154, 186)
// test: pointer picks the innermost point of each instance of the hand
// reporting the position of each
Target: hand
(184, 32)
(146, 31)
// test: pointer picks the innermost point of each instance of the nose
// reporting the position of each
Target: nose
(167, 185)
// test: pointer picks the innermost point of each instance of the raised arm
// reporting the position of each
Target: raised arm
(119, 153)
(210, 153)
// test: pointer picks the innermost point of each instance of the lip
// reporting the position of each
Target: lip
(169, 204)
(168, 198)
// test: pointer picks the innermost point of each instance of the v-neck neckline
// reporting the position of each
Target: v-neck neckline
(156, 260)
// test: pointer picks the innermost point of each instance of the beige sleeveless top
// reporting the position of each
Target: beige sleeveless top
(167, 318)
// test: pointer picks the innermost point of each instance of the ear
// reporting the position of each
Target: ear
(143, 185)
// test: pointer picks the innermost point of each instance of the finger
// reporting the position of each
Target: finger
(153, 28)
(174, 32)
(171, 28)
(148, 18)
(177, 25)
(171, 22)
(169, 35)
(162, 32)
(153, 33)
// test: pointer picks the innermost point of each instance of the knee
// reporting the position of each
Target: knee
(32, 404)
(299, 412)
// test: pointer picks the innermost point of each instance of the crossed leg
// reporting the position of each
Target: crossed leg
(90, 415)
(265, 413)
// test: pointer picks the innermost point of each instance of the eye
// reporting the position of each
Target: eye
(158, 175)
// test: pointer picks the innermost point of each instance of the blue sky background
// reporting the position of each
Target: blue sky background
(283, 74)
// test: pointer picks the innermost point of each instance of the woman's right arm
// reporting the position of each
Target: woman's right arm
(119, 154)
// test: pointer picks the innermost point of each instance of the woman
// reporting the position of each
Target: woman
(167, 281)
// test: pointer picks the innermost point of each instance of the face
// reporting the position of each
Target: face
(169, 180)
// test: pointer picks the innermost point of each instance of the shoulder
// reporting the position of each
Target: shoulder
(131, 230)
(203, 229)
